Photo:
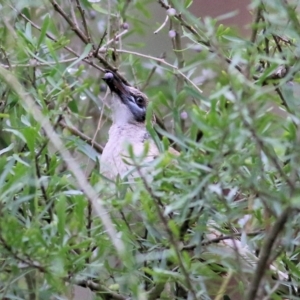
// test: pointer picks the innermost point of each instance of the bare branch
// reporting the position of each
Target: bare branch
(72, 24)
(82, 136)
(82, 13)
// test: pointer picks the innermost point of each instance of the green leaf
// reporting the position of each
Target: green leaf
(44, 29)
(84, 148)
(30, 135)
(28, 33)
(102, 10)
(73, 106)
(7, 149)
(61, 209)
(84, 54)
(141, 8)
(16, 133)
(7, 168)
(188, 3)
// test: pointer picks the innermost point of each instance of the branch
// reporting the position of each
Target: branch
(192, 30)
(265, 253)
(84, 38)
(272, 157)
(221, 238)
(185, 24)
(161, 61)
(82, 136)
(116, 37)
(227, 237)
(43, 189)
(26, 262)
(82, 13)
(256, 21)
(177, 49)
(97, 287)
(36, 63)
(86, 60)
(72, 24)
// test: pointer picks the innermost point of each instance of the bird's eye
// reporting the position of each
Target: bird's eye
(139, 101)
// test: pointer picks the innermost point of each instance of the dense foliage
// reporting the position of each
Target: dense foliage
(64, 225)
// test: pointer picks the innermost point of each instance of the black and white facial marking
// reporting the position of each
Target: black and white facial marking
(136, 103)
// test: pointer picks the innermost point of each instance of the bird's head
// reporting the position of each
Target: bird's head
(131, 105)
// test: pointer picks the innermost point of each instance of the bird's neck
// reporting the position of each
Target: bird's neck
(128, 131)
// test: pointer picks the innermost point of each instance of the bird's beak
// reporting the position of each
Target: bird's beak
(116, 85)
(128, 96)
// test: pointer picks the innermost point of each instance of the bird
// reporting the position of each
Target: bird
(129, 108)
(128, 128)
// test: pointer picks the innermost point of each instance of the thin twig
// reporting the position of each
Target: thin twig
(124, 9)
(146, 83)
(86, 60)
(185, 24)
(36, 63)
(73, 13)
(82, 13)
(82, 136)
(104, 47)
(221, 238)
(101, 42)
(231, 236)
(89, 224)
(162, 61)
(162, 25)
(43, 189)
(256, 22)
(83, 37)
(26, 262)
(177, 49)
(272, 157)
(199, 39)
(186, 224)
(72, 24)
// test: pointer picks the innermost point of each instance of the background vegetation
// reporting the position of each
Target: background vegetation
(62, 225)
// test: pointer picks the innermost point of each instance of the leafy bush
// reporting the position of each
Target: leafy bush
(236, 181)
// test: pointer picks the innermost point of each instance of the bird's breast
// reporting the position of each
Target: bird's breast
(115, 158)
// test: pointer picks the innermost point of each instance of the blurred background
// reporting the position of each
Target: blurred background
(234, 13)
